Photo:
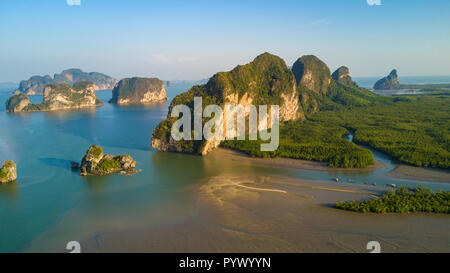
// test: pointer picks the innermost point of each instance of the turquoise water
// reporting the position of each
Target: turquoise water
(51, 205)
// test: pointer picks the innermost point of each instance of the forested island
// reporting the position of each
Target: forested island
(97, 164)
(321, 110)
(391, 82)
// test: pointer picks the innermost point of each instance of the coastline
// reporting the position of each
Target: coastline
(418, 173)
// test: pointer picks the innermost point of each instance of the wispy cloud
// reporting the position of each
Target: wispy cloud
(320, 22)
(73, 2)
(162, 58)
(374, 2)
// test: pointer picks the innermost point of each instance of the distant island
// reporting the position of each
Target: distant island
(36, 84)
(139, 91)
(389, 82)
(8, 172)
(57, 97)
(342, 75)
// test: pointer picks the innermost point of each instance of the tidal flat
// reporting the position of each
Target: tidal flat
(276, 214)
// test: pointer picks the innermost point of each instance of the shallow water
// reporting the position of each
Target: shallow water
(51, 205)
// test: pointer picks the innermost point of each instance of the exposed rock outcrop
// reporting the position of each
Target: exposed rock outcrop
(8, 172)
(57, 97)
(300, 92)
(139, 91)
(388, 83)
(95, 163)
(36, 84)
(265, 81)
(342, 75)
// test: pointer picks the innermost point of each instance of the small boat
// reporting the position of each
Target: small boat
(393, 185)
(336, 179)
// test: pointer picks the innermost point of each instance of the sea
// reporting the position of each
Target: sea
(51, 205)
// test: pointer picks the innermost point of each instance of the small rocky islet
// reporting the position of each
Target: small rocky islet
(95, 163)
(8, 172)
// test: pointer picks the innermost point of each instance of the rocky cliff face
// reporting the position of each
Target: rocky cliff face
(139, 91)
(388, 83)
(312, 74)
(95, 163)
(265, 81)
(36, 84)
(342, 75)
(57, 97)
(8, 172)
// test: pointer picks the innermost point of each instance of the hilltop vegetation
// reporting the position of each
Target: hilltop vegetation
(403, 200)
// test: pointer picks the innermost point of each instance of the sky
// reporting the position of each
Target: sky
(192, 40)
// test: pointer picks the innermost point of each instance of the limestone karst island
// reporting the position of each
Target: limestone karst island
(257, 131)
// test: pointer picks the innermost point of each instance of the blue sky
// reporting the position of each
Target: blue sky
(195, 39)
